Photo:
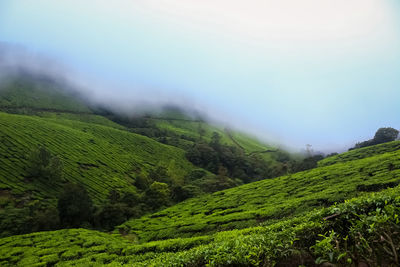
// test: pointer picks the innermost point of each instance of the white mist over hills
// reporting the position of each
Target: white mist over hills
(317, 72)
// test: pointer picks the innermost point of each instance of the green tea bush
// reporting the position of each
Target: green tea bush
(268, 200)
(363, 230)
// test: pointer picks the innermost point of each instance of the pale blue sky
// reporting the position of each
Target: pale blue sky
(316, 72)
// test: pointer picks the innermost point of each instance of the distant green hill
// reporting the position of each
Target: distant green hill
(241, 156)
(24, 93)
(183, 130)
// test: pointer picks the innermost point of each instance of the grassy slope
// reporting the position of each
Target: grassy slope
(191, 128)
(98, 156)
(87, 118)
(26, 92)
(361, 153)
(270, 199)
(283, 241)
(180, 123)
(57, 114)
(272, 202)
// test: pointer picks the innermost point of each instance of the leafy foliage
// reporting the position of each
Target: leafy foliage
(74, 206)
(364, 230)
(269, 200)
(382, 135)
(44, 165)
(32, 217)
(158, 195)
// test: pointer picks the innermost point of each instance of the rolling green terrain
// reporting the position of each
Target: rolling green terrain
(99, 157)
(271, 199)
(108, 158)
(175, 127)
(344, 212)
(192, 127)
(202, 130)
(97, 152)
(361, 230)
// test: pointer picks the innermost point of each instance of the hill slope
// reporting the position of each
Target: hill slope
(99, 157)
(211, 147)
(361, 153)
(183, 128)
(104, 153)
(370, 236)
(271, 199)
(290, 220)
(24, 93)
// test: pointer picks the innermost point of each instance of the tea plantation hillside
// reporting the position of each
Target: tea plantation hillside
(361, 153)
(197, 129)
(46, 97)
(269, 200)
(179, 128)
(140, 184)
(225, 152)
(127, 172)
(99, 157)
(24, 93)
(363, 230)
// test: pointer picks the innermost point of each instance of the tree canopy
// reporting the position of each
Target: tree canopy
(42, 164)
(382, 135)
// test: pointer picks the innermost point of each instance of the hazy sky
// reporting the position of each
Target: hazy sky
(321, 72)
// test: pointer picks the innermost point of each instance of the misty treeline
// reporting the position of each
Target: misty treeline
(382, 135)
(231, 164)
(240, 167)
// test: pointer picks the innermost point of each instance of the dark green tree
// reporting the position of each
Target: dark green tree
(43, 165)
(180, 193)
(384, 135)
(160, 174)
(114, 196)
(142, 182)
(74, 206)
(158, 195)
(130, 199)
(45, 218)
(201, 130)
(215, 140)
(111, 215)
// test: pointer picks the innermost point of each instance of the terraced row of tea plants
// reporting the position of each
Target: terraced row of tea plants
(364, 230)
(269, 200)
(99, 157)
(361, 153)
